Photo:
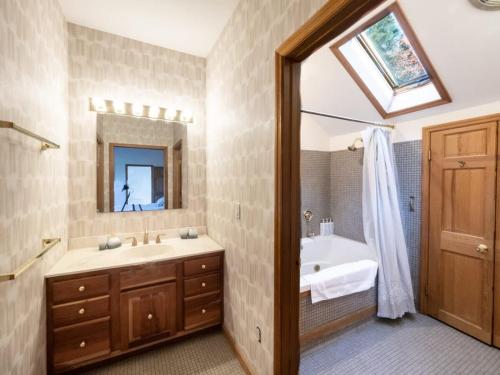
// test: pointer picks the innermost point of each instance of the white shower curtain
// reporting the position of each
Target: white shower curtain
(383, 228)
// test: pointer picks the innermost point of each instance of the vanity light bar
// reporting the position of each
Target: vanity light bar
(139, 110)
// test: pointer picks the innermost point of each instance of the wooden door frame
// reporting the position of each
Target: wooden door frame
(424, 242)
(335, 17)
(111, 158)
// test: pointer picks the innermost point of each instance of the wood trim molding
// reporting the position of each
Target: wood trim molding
(423, 57)
(424, 241)
(334, 18)
(338, 325)
(241, 357)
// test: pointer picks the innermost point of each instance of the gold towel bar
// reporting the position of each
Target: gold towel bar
(46, 144)
(47, 244)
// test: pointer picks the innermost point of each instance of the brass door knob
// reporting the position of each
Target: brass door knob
(83, 344)
(81, 289)
(81, 311)
(150, 316)
(482, 249)
(203, 285)
(203, 311)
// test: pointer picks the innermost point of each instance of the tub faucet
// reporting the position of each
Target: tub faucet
(311, 235)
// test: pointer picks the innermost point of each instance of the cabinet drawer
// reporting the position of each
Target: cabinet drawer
(201, 265)
(201, 284)
(76, 312)
(81, 342)
(201, 311)
(147, 274)
(78, 289)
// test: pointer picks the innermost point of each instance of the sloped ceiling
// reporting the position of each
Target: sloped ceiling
(190, 26)
(462, 42)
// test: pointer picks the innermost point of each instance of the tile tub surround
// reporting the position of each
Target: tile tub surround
(315, 188)
(315, 315)
(34, 184)
(241, 123)
(109, 66)
(345, 194)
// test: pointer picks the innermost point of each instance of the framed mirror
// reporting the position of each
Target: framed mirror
(141, 164)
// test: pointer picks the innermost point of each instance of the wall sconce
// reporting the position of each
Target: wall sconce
(140, 110)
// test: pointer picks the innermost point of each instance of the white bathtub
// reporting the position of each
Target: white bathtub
(323, 252)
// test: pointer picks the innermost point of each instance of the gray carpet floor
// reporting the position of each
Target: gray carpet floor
(413, 345)
(204, 354)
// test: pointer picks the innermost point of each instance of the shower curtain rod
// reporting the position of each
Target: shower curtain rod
(347, 119)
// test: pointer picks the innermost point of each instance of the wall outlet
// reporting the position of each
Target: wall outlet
(237, 211)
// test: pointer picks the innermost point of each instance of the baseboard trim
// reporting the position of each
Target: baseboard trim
(337, 325)
(241, 357)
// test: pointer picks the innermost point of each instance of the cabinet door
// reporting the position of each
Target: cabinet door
(148, 314)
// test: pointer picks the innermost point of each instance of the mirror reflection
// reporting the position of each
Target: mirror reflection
(141, 164)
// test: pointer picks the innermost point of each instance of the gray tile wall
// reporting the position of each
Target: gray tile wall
(345, 189)
(315, 185)
(408, 162)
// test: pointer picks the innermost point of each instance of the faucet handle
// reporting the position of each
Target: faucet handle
(134, 240)
(158, 237)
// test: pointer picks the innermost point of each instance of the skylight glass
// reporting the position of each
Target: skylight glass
(392, 52)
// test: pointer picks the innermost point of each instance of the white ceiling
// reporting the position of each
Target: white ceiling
(462, 43)
(190, 26)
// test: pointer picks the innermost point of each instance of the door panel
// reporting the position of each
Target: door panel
(461, 227)
(148, 313)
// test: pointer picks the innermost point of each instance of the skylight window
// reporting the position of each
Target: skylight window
(386, 60)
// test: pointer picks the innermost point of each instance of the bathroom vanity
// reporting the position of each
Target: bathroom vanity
(105, 304)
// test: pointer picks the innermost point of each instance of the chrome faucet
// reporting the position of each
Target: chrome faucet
(311, 235)
(146, 237)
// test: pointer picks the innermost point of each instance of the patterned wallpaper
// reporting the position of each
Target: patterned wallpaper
(34, 184)
(112, 67)
(240, 163)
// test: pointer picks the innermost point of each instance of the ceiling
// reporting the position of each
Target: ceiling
(461, 42)
(190, 26)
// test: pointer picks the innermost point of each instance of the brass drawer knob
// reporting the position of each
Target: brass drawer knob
(150, 316)
(81, 311)
(482, 249)
(203, 311)
(203, 266)
(83, 344)
(203, 285)
(81, 288)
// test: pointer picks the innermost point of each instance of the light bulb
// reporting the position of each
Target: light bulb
(119, 106)
(138, 109)
(171, 114)
(99, 104)
(186, 116)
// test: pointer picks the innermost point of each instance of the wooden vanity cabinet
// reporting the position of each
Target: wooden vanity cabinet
(95, 316)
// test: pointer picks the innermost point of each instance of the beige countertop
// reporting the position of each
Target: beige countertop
(92, 259)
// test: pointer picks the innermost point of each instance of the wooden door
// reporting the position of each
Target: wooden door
(148, 314)
(462, 227)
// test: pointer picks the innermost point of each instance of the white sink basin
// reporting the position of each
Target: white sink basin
(147, 251)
